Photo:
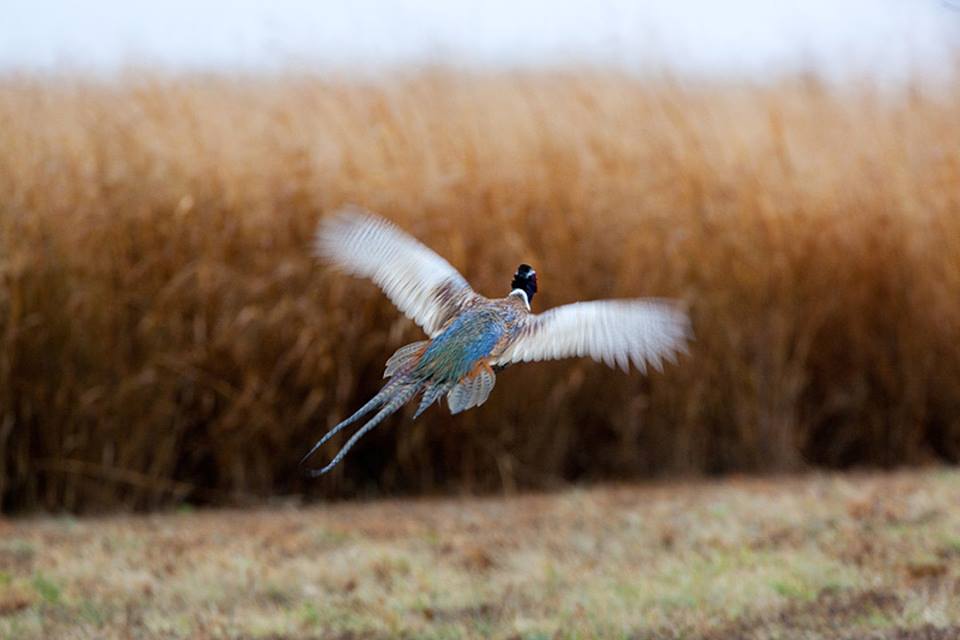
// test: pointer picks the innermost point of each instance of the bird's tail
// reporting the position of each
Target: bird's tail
(391, 397)
(431, 392)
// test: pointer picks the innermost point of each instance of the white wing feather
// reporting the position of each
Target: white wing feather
(615, 331)
(418, 281)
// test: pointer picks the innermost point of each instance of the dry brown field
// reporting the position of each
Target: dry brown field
(852, 556)
(165, 335)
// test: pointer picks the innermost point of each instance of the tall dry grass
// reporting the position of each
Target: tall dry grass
(166, 333)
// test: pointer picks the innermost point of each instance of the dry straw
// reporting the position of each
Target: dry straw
(166, 334)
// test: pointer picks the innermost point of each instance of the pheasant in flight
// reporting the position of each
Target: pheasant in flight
(473, 337)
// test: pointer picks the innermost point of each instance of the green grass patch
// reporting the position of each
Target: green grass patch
(793, 589)
(89, 612)
(309, 615)
(48, 590)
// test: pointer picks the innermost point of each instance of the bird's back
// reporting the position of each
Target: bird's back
(469, 338)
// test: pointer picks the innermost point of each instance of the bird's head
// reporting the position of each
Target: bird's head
(525, 279)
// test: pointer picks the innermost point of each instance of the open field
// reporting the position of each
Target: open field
(165, 334)
(822, 556)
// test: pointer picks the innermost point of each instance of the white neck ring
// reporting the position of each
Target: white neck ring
(522, 294)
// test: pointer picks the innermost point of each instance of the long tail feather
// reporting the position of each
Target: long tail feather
(373, 403)
(430, 395)
(400, 398)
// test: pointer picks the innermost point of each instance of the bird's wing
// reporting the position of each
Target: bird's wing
(615, 331)
(419, 282)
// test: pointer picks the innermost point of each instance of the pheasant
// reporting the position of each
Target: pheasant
(471, 337)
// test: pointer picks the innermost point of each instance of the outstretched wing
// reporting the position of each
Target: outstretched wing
(419, 282)
(615, 331)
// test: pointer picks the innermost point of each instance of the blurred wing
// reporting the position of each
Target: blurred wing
(615, 331)
(419, 282)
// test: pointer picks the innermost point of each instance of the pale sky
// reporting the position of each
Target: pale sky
(741, 37)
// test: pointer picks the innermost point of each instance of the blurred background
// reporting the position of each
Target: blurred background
(789, 170)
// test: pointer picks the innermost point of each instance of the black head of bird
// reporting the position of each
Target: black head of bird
(525, 279)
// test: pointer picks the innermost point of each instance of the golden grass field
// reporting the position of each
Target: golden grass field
(857, 557)
(165, 334)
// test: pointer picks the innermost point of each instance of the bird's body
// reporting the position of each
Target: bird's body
(472, 337)
(469, 339)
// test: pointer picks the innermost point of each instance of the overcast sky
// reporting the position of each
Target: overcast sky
(885, 37)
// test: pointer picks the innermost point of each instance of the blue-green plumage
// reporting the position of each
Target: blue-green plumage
(470, 337)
